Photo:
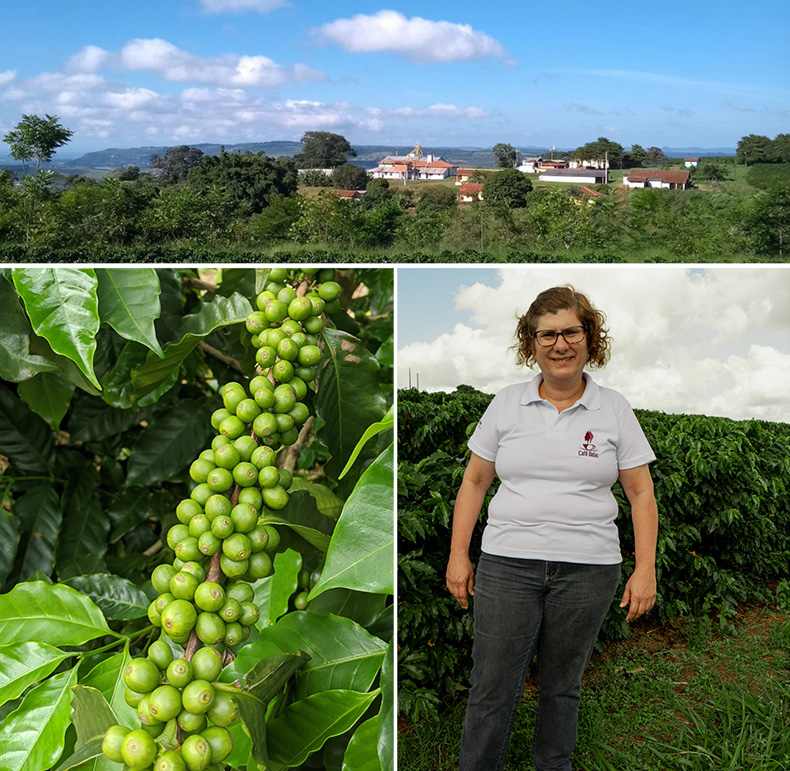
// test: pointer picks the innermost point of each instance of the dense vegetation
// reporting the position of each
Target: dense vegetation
(248, 206)
(113, 382)
(724, 505)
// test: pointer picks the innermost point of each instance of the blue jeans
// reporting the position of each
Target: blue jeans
(521, 606)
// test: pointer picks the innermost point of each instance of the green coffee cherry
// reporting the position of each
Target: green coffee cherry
(113, 739)
(196, 753)
(191, 722)
(220, 740)
(170, 760)
(209, 596)
(207, 664)
(160, 653)
(179, 674)
(223, 711)
(198, 696)
(165, 702)
(141, 675)
(178, 618)
(210, 628)
(138, 750)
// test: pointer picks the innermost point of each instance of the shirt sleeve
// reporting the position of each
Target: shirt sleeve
(633, 449)
(485, 438)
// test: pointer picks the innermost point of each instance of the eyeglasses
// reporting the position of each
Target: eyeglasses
(547, 337)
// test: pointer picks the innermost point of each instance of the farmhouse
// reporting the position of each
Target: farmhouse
(413, 166)
(351, 195)
(462, 175)
(470, 191)
(575, 176)
(552, 164)
(529, 165)
(690, 163)
(669, 179)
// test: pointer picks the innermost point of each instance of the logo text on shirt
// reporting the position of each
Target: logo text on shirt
(588, 448)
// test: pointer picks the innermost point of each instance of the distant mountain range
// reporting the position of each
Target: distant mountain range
(367, 155)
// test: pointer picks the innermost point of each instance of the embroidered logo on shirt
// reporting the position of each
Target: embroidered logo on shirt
(588, 448)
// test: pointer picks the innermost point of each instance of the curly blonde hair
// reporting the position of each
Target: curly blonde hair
(560, 298)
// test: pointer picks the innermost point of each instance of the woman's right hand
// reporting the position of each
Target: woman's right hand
(461, 578)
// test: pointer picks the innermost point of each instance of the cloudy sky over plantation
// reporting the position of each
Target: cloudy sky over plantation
(467, 73)
(713, 341)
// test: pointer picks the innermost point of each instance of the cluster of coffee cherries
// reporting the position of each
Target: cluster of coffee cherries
(175, 699)
(221, 544)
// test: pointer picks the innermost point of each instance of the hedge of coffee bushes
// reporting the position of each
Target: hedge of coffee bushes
(724, 538)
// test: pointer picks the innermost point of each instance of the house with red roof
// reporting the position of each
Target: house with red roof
(670, 179)
(470, 192)
(414, 165)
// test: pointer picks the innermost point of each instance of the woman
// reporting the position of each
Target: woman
(551, 557)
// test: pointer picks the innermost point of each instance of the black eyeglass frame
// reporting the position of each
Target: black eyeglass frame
(557, 334)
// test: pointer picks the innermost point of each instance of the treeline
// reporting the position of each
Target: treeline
(250, 202)
(724, 536)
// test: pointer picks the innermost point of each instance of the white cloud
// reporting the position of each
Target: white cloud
(7, 76)
(174, 64)
(715, 342)
(417, 39)
(241, 6)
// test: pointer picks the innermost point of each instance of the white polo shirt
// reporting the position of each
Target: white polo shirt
(556, 470)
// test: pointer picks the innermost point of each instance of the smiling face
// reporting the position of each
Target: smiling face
(563, 362)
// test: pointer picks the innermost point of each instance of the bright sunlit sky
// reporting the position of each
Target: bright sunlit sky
(712, 341)
(674, 74)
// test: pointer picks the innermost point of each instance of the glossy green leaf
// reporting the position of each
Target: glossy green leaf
(133, 506)
(170, 443)
(361, 752)
(63, 308)
(273, 592)
(306, 724)
(328, 504)
(260, 685)
(343, 655)
(32, 736)
(53, 612)
(85, 523)
(383, 425)
(302, 516)
(361, 553)
(387, 714)
(129, 303)
(92, 420)
(85, 753)
(40, 517)
(25, 439)
(107, 677)
(16, 361)
(348, 398)
(220, 312)
(24, 664)
(117, 597)
(9, 541)
(362, 607)
(91, 714)
(48, 395)
(117, 382)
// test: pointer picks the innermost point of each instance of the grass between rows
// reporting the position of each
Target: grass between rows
(693, 695)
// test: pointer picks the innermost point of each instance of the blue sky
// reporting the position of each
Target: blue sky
(710, 341)
(462, 74)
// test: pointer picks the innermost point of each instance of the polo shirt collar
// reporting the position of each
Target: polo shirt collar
(590, 399)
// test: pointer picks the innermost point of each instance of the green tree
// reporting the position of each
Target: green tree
(315, 178)
(599, 150)
(506, 155)
(655, 156)
(635, 157)
(323, 150)
(348, 176)
(176, 162)
(780, 149)
(711, 170)
(186, 212)
(274, 223)
(377, 193)
(754, 148)
(251, 180)
(36, 137)
(508, 188)
(767, 221)
(436, 198)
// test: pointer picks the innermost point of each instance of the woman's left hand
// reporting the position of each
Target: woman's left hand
(640, 593)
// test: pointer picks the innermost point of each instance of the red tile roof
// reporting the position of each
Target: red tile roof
(671, 177)
(591, 192)
(470, 188)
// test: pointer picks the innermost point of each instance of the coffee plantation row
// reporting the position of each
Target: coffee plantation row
(197, 531)
(724, 538)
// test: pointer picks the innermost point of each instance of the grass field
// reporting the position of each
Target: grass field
(689, 696)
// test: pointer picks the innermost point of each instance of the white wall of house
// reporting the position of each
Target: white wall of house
(582, 179)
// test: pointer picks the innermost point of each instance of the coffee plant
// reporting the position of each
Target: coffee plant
(196, 535)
